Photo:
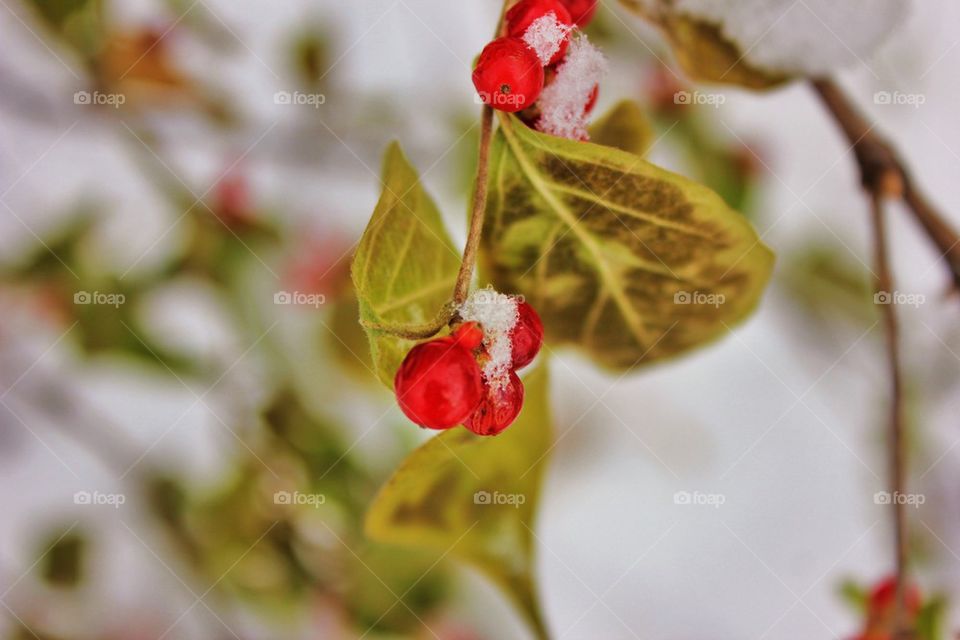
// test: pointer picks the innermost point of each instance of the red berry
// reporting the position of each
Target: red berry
(469, 335)
(592, 99)
(526, 336)
(498, 409)
(884, 594)
(581, 10)
(509, 75)
(522, 15)
(439, 384)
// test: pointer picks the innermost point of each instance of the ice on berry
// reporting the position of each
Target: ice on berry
(545, 35)
(497, 313)
(563, 103)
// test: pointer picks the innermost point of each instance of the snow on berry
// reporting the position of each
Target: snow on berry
(508, 75)
(497, 313)
(563, 104)
(548, 37)
(544, 25)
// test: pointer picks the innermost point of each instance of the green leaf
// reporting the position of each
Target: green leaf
(931, 621)
(626, 260)
(436, 499)
(405, 266)
(624, 127)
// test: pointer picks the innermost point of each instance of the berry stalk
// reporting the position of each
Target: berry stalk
(478, 210)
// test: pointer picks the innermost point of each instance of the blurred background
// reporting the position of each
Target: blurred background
(182, 184)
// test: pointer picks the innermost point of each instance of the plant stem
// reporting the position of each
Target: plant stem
(884, 285)
(883, 172)
(478, 210)
(883, 175)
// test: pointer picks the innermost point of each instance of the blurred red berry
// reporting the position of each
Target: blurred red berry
(469, 335)
(439, 384)
(498, 409)
(525, 12)
(508, 75)
(581, 10)
(884, 595)
(526, 336)
(233, 203)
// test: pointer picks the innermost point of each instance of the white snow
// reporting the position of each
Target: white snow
(545, 35)
(497, 314)
(563, 103)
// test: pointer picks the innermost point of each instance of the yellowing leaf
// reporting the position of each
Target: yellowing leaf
(626, 260)
(405, 265)
(759, 43)
(705, 54)
(474, 498)
(624, 127)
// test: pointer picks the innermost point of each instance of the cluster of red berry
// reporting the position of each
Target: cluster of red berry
(441, 383)
(880, 609)
(510, 75)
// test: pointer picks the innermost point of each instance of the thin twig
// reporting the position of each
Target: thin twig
(478, 210)
(885, 288)
(882, 171)
(883, 175)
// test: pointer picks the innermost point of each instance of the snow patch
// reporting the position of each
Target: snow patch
(545, 35)
(563, 103)
(497, 313)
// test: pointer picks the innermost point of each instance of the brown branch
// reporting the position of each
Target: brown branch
(478, 210)
(883, 175)
(883, 172)
(884, 293)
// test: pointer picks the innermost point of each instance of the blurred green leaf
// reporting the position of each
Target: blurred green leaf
(931, 621)
(702, 50)
(628, 261)
(475, 498)
(405, 265)
(624, 127)
(64, 560)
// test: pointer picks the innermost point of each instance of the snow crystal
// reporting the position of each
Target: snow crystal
(497, 314)
(545, 35)
(563, 103)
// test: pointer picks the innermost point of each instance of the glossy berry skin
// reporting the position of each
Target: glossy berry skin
(439, 384)
(522, 15)
(581, 10)
(526, 336)
(498, 409)
(469, 335)
(508, 75)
